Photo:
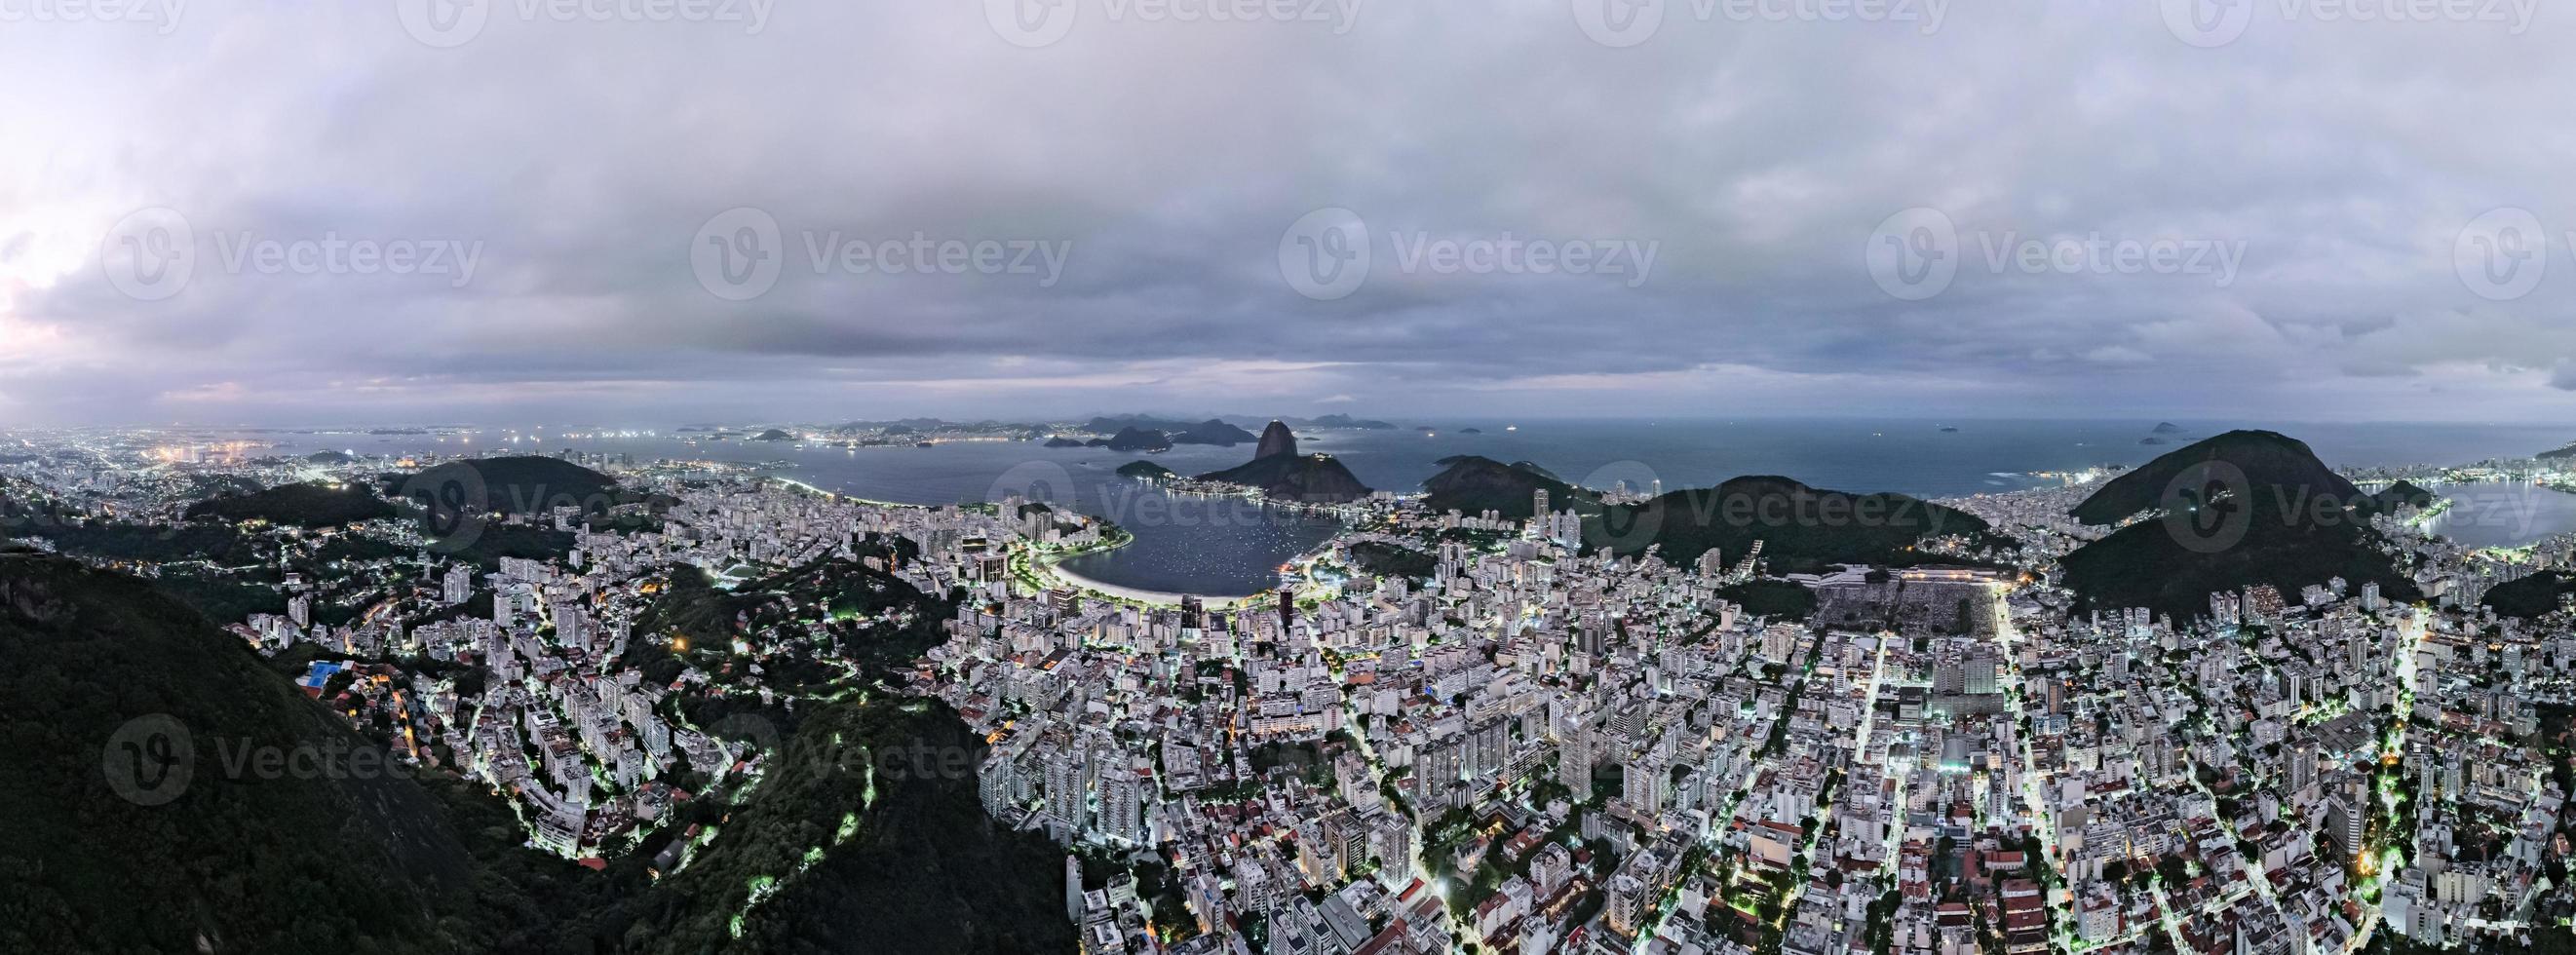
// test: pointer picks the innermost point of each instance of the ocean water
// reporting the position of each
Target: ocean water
(2502, 513)
(1228, 547)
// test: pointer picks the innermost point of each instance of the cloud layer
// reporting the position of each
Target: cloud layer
(1568, 207)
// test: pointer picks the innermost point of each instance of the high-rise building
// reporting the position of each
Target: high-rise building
(1068, 789)
(1574, 762)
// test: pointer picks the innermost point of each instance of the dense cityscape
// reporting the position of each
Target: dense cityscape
(1500, 731)
(1287, 477)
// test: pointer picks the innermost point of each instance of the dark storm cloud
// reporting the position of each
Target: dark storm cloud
(1558, 219)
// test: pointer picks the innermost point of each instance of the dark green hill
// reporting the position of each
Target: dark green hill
(526, 484)
(2155, 564)
(923, 869)
(2265, 459)
(1473, 485)
(99, 675)
(2531, 596)
(343, 855)
(1802, 528)
(2402, 493)
(1312, 478)
(299, 505)
(1135, 439)
(1214, 431)
(2564, 451)
(2242, 508)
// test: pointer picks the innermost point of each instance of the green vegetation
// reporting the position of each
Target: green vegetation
(2539, 594)
(1470, 484)
(1393, 560)
(1145, 471)
(1312, 478)
(2262, 511)
(1803, 529)
(287, 864)
(1778, 599)
(2265, 459)
(525, 484)
(297, 505)
(864, 835)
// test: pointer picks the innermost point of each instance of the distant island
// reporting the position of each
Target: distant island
(1145, 471)
(773, 434)
(1213, 431)
(1135, 439)
(1340, 421)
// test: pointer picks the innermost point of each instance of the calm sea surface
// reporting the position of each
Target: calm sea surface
(1224, 546)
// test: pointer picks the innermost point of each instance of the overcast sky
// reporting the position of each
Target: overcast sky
(636, 212)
